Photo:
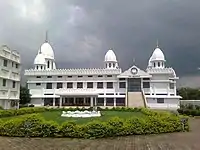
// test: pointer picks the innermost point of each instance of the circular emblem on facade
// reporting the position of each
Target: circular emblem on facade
(134, 70)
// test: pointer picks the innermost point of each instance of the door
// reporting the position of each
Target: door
(134, 85)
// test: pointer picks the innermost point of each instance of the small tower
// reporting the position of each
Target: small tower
(39, 62)
(48, 54)
(157, 59)
(110, 61)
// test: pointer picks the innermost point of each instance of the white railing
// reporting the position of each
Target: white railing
(144, 98)
(163, 106)
(190, 102)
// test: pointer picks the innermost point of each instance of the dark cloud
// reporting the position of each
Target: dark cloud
(81, 31)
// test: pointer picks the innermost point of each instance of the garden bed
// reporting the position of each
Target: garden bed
(114, 122)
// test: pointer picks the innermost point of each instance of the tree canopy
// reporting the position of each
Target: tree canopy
(25, 96)
(189, 93)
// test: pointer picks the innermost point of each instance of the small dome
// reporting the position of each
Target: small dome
(39, 59)
(157, 55)
(110, 56)
(47, 50)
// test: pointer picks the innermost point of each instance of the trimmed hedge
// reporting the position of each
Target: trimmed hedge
(22, 111)
(189, 112)
(33, 125)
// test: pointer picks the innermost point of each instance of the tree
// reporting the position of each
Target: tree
(25, 96)
(189, 93)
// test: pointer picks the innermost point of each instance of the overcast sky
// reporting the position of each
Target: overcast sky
(81, 31)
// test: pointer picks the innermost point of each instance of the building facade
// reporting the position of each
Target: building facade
(9, 78)
(108, 86)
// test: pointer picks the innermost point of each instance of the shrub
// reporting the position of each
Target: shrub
(32, 125)
(22, 111)
(189, 112)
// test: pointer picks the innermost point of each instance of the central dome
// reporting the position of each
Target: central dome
(47, 50)
(158, 55)
(110, 56)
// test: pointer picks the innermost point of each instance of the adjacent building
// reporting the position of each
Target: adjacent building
(9, 78)
(108, 86)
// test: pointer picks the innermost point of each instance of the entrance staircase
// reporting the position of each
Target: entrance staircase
(136, 99)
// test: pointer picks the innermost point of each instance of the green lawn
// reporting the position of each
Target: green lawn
(56, 116)
(106, 115)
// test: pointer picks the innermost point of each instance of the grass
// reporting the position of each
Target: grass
(56, 116)
(106, 115)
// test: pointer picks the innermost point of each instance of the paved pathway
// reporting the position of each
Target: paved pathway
(174, 141)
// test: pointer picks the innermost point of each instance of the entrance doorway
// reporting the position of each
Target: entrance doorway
(134, 85)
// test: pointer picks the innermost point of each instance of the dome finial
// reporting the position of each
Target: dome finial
(46, 37)
(157, 45)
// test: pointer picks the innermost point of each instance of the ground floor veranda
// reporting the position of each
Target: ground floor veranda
(89, 101)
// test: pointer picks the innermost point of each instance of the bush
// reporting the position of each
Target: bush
(154, 122)
(22, 111)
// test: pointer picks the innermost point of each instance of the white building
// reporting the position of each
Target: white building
(108, 86)
(9, 78)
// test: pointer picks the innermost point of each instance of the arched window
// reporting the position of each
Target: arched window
(48, 63)
(158, 64)
(109, 65)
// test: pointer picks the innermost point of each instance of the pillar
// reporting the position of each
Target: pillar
(60, 101)
(104, 101)
(84, 101)
(54, 101)
(74, 101)
(91, 102)
(115, 102)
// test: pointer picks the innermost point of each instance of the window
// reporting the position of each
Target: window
(171, 85)
(100, 76)
(41, 67)
(109, 85)
(49, 76)
(160, 100)
(69, 85)
(154, 64)
(14, 84)
(59, 85)
(109, 93)
(38, 77)
(100, 101)
(79, 84)
(12, 64)
(109, 101)
(59, 76)
(69, 76)
(99, 85)
(80, 76)
(89, 84)
(109, 65)
(49, 86)
(146, 79)
(90, 76)
(16, 66)
(109, 75)
(122, 84)
(37, 67)
(146, 85)
(5, 63)
(120, 101)
(4, 82)
(48, 64)
(38, 84)
(158, 64)
(121, 79)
